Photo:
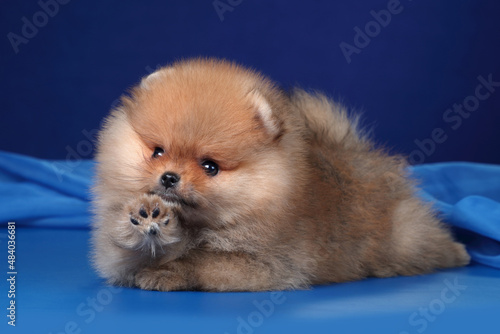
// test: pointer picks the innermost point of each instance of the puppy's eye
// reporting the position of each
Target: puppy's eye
(210, 167)
(158, 152)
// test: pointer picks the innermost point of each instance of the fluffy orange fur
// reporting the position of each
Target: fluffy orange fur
(299, 196)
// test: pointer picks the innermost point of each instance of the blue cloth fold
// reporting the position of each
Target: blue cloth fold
(44, 193)
(467, 196)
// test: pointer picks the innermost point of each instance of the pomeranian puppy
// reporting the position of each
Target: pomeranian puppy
(211, 178)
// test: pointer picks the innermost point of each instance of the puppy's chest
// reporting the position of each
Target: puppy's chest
(226, 240)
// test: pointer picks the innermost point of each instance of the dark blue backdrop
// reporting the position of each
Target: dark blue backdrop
(425, 73)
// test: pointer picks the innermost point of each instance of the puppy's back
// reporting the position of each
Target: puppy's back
(377, 224)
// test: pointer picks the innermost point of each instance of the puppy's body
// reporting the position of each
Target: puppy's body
(263, 190)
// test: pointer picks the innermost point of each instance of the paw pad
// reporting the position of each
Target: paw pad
(143, 213)
(149, 213)
(156, 212)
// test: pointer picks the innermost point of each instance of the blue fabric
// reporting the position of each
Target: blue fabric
(56, 194)
(59, 293)
(468, 197)
(44, 193)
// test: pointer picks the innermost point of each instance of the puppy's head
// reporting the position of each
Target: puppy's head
(206, 134)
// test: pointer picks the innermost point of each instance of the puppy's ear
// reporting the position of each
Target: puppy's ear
(148, 80)
(265, 114)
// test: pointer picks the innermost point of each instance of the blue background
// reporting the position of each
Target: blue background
(60, 84)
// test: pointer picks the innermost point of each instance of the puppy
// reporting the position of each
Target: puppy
(211, 178)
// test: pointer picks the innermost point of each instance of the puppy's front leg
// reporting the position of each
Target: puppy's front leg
(171, 276)
(219, 271)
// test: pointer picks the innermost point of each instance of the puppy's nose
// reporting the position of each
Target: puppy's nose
(170, 180)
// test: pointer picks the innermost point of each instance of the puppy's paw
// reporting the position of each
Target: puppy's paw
(151, 225)
(152, 216)
(160, 279)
